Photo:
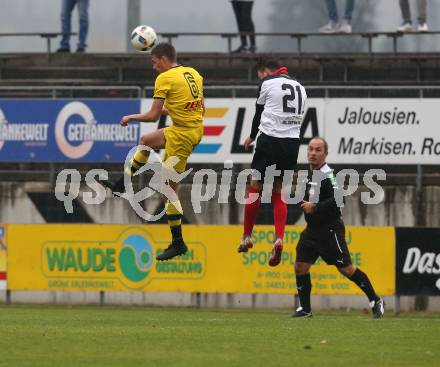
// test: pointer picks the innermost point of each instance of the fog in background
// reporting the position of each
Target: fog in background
(108, 23)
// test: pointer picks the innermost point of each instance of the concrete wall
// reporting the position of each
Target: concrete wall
(16, 206)
(400, 207)
(214, 300)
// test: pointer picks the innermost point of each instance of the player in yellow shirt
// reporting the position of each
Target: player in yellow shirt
(178, 91)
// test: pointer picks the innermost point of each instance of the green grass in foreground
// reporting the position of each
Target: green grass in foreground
(121, 336)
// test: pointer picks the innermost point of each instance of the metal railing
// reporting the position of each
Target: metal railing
(299, 37)
(54, 91)
(47, 35)
(211, 91)
(232, 91)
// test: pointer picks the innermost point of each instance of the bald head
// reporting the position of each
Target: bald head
(317, 151)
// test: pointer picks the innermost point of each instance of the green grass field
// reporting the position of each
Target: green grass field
(62, 336)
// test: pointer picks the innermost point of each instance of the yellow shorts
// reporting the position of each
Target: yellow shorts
(180, 142)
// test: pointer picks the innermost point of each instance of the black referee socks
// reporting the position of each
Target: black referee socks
(304, 286)
(362, 281)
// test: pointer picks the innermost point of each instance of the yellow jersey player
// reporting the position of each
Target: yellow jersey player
(178, 91)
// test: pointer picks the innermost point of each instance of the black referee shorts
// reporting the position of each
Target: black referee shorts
(281, 152)
(327, 242)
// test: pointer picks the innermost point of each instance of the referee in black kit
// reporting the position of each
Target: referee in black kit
(325, 233)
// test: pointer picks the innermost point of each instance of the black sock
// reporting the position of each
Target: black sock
(120, 184)
(176, 232)
(304, 286)
(362, 281)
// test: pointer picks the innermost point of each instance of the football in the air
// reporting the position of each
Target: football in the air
(143, 38)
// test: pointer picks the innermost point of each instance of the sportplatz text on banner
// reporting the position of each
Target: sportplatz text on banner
(163, 172)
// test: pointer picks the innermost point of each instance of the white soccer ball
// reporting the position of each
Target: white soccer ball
(143, 38)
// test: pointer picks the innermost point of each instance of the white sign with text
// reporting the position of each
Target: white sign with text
(358, 131)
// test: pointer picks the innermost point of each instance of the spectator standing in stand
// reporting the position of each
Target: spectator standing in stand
(334, 26)
(66, 20)
(407, 25)
(243, 15)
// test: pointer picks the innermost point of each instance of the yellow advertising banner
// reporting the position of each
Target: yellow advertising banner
(120, 257)
(3, 255)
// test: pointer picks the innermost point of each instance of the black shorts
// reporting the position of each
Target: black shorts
(281, 152)
(327, 242)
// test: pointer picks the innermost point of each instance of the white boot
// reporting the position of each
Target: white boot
(405, 27)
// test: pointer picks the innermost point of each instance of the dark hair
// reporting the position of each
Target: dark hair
(323, 140)
(270, 64)
(164, 49)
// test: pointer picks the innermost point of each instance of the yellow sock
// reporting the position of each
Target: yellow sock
(174, 213)
(137, 161)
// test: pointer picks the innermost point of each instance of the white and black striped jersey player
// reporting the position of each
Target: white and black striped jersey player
(278, 116)
(279, 112)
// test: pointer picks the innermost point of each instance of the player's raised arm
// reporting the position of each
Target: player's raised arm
(150, 116)
(259, 107)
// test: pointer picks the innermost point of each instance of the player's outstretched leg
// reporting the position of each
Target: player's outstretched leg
(137, 161)
(245, 244)
(377, 308)
(279, 218)
(116, 187)
(177, 246)
(277, 251)
(251, 209)
(361, 279)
